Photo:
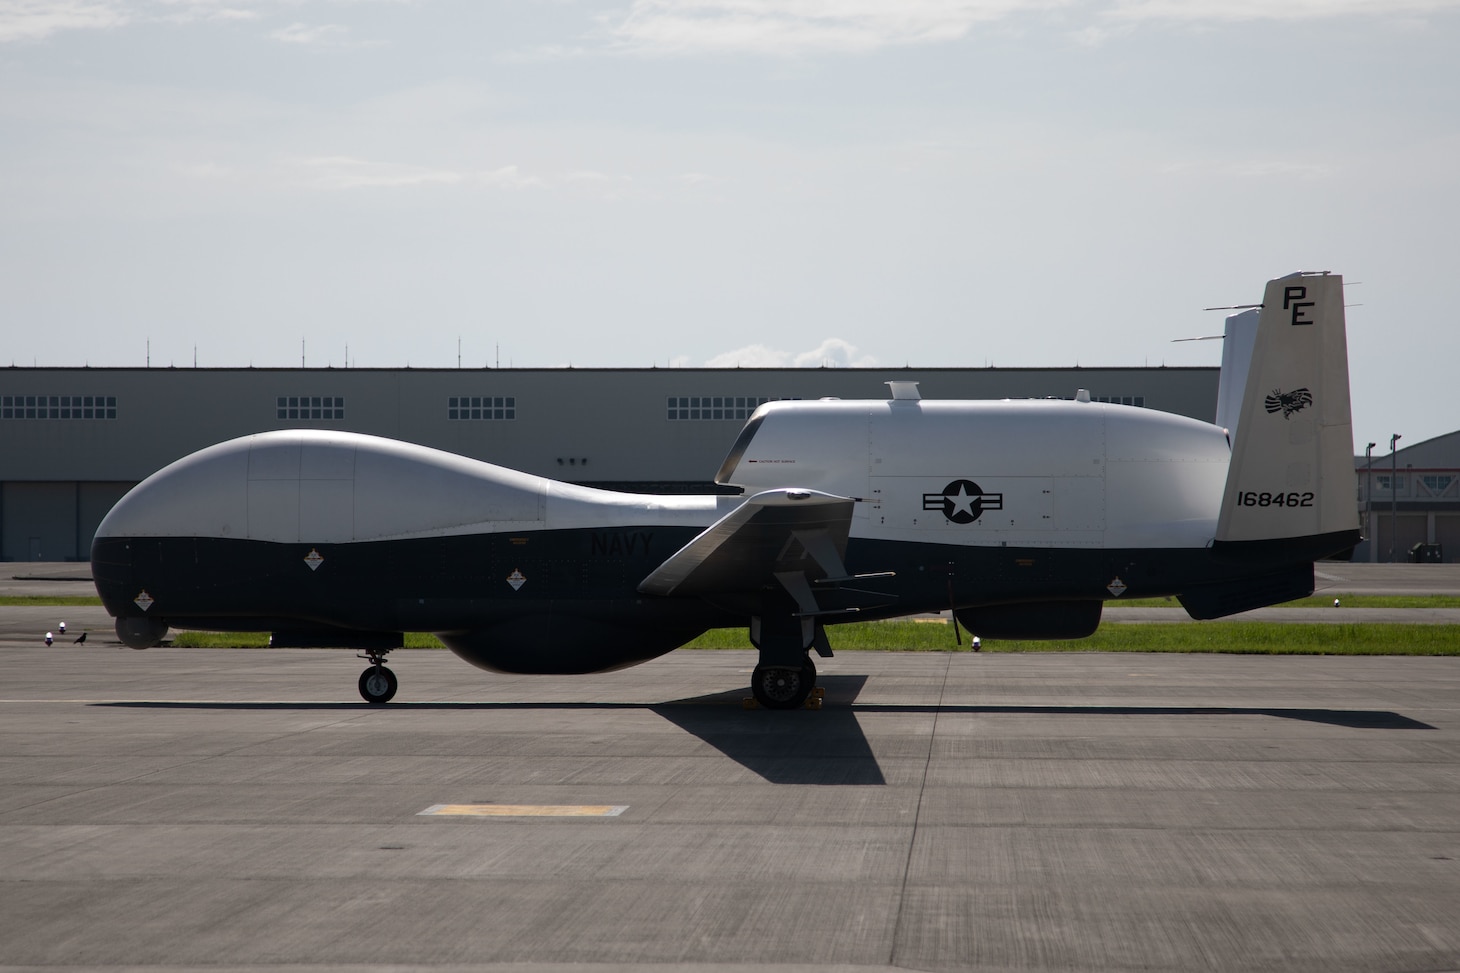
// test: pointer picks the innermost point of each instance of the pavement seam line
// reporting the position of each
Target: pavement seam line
(918, 815)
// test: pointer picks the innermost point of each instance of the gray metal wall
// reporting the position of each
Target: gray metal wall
(608, 426)
(53, 521)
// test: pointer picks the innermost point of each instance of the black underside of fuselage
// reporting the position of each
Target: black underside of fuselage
(538, 601)
(561, 601)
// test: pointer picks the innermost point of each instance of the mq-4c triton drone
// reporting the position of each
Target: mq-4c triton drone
(1023, 517)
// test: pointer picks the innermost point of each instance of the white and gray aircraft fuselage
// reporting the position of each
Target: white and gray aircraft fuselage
(1023, 517)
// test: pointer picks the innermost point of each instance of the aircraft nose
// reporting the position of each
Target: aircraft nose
(202, 494)
(113, 574)
(119, 567)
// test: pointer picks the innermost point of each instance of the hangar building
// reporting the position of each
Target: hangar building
(74, 440)
(1411, 498)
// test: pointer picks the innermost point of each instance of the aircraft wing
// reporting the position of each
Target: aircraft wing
(775, 536)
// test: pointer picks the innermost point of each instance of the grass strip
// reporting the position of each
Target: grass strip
(1261, 638)
(1324, 600)
(8, 600)
(1242, 638)
(260, 640)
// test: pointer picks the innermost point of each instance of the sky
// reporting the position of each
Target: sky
(628, 183)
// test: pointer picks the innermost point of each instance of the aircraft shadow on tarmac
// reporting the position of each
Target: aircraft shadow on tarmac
(826, 747)
(791, 746)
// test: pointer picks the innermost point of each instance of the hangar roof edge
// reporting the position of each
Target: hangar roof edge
(875, 370)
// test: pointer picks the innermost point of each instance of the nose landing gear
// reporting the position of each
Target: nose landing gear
(377, 684)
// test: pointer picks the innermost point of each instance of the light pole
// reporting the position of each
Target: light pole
(1393, 494)
(1369, 496)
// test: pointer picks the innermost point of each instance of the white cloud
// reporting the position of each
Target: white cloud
(32, 20)
(316, 35)
(23, 20)
(800, 27)
(1240, 10)
(834, 353)
(751, 356)
(507, 177)
(793, 27)
(594, 184)
(831, 353)
(543, 52)
(1094, 36)
(346, 172)
(190, 11)
(778, 28)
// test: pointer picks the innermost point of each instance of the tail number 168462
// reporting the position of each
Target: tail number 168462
(1251, 499)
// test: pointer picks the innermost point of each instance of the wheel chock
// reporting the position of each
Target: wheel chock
(749, 702)
(813, 702)
(818, 692)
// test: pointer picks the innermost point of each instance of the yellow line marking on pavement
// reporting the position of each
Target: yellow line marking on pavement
(527, 810)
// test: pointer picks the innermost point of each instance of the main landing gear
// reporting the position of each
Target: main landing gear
(785, 676)
(377, 684)
(783, 687)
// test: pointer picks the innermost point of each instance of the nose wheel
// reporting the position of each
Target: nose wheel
(783, 687)
(378, 684)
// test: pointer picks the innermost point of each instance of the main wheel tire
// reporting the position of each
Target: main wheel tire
(781, 687)
(378, 685)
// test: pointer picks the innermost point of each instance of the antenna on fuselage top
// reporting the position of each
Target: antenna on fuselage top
(904, 391)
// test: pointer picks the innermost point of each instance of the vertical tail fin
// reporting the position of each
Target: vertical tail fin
(1239, 335)
(1290, 486)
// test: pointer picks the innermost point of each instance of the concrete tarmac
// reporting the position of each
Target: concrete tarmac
(242, 809)
(1387, 579)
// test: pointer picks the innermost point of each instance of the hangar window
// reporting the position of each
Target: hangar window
(1437, 483)
(301, 407)
(58, 407)
(482, 407)
(699, 407)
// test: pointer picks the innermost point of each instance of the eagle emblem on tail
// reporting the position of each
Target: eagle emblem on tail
(1288, 402)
